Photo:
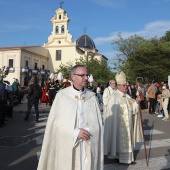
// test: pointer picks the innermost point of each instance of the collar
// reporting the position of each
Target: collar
(110, 88)
(121, 93)
(78, 89)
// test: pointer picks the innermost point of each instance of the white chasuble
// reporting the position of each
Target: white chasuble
(121, 128)
(61, 150)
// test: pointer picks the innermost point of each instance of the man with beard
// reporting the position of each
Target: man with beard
(3, 100)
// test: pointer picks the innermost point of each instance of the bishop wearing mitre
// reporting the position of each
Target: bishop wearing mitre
(122, 126)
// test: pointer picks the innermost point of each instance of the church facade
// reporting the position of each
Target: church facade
(28, 61)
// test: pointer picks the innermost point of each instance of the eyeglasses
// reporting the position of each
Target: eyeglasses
(82, 75)
(124, 85)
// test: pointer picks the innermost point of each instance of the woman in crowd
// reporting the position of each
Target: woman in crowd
(165, 101)
(151, 94)
(159, 101)
(45, 96)
(99, 95)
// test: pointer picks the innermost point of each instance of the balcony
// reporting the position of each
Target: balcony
(11, 69)
(35, 71)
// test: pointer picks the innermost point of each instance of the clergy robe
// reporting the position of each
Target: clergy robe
(57, 150)
(122, 127)
(106, 95)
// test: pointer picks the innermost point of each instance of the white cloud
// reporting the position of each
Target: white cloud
(157, 28)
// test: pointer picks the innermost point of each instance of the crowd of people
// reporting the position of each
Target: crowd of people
(76, 130)
(46, 94)
(82, 135)
(10, 95)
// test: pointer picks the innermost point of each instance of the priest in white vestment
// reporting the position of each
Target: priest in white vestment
(106, 95)
(73, 137)
(122, 126)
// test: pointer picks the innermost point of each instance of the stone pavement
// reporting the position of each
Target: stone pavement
(22, 108)
(156, 134)
(157, 144)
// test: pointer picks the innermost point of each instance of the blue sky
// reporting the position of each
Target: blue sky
(27, 22)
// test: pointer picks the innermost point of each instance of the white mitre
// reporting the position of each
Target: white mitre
(120, 78)
(51, 76)
(60, 76)
(90, 78)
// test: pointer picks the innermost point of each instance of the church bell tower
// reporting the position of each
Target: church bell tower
(60, 30)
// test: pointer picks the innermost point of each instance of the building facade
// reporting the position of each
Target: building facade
(27, 61)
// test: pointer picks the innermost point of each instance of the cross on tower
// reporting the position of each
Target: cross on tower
(61, 4)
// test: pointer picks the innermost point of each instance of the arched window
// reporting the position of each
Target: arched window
(57, 30)
(62, 29)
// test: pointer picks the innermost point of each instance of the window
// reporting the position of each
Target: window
(59, 16)
(11, 62)
(56, 30)
(58, 55)
(43, 67)
(35, 66)
(62, 29)
(26, 63)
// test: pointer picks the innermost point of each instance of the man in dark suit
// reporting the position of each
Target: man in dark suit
(3, 100)
(34, 94)
(51, 88)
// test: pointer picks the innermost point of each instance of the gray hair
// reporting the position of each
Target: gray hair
(73, 70)
(111, 81)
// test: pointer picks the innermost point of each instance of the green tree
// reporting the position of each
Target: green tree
(150, 61)
(99, 69)
(166, 37)
(147, 58)
(126, 47)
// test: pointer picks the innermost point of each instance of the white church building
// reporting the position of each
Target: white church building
(27, 61)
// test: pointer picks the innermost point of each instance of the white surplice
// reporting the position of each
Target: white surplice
(81, 123)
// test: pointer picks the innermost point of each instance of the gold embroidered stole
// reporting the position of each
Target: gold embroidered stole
(125, 126)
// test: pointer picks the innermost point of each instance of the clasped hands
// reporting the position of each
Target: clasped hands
(84, 135)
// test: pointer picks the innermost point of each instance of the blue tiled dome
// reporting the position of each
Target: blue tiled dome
(85, 42)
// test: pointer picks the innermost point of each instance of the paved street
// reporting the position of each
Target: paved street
(20, 143)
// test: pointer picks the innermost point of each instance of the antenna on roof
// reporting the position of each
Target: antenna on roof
(61, 4)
